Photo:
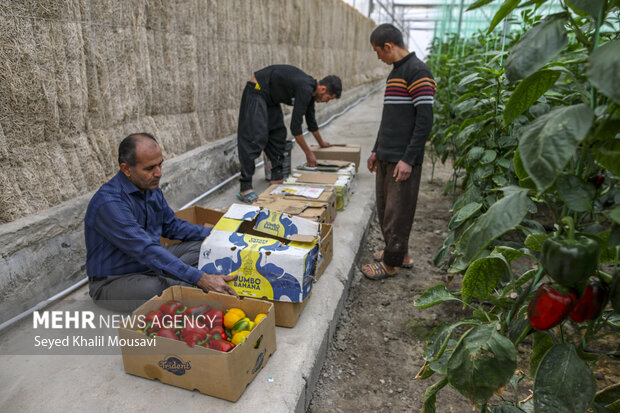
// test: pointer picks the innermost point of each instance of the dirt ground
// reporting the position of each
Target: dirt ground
(379, 342)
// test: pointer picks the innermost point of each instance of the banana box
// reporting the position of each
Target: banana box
(274, 254)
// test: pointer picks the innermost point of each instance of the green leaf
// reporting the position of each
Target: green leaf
(537, 47)
(576, 194)
(464, 213)
(604, 69)
(592, 7)
(488, 156)
(506, 408)
(547, 144)
(433, 296)
(614, 214)
(510, 254)
(506, 8)
(440, 366)
(469, 79)
(534, 242)
(482, 277)
(564, 384)
(527, 93)
(541, 343)
(482, 363)
(502, 216)
(607, 154)
(438, 341)
(608, 395)
(612, 318)
(478, 4)
(430, 395)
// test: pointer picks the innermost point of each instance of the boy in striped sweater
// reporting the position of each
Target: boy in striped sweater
(399, 149)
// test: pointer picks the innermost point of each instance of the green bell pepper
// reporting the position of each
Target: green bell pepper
(570, 260)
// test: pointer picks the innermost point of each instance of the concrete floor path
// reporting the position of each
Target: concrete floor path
(98, 383)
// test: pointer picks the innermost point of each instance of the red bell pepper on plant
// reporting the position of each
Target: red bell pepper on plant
(549, 307)
(589, 306)
(570, 260)
(167, 333)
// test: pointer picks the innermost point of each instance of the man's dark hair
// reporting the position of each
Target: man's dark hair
(386, 33)
(333, 84)
(127, 148)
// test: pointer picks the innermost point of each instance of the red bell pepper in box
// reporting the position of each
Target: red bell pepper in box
(196, 328)
(218, 332)
(549, 307)
(196, 310)
(153, 321)
(220, 345)
(167, 333)
(214, 318)
(589, 306)
(170, 307)
(192, 339)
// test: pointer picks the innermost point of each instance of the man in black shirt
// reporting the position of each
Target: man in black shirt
(261, 122)
(398, 153)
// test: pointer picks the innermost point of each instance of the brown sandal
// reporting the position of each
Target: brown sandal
(377, 271)
(378, 256)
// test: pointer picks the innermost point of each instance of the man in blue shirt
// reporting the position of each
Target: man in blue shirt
(125, 262)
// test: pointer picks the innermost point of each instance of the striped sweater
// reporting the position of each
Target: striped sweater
(407, 112)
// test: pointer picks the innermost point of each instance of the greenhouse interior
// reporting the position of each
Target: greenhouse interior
(433, 225)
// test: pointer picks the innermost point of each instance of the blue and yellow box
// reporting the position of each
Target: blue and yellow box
(273, 254)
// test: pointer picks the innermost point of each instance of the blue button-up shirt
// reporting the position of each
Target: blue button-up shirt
(122, 228)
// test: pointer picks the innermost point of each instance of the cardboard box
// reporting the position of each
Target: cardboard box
(288, 192)
(212, 372)
(339, 152)
(286, 313)
(342, 184)
(273, 254)
(314, 211)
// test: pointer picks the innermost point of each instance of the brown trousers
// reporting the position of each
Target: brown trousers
(396, 202)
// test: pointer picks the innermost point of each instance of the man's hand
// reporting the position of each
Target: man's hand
(324, 144)
(310, 159)
(372, 162)
(217, 283)
(402, 172)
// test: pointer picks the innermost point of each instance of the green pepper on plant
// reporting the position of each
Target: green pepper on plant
(570, 260)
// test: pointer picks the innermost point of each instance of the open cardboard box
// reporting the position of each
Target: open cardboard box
(308, 206)
(273, 254)
(220, 374)
(339, 152)
(286, 313)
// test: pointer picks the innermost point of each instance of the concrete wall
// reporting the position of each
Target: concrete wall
(76, 76)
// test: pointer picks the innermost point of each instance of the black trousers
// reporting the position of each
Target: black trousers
(396, 203)
(260, 128)
(129, 291)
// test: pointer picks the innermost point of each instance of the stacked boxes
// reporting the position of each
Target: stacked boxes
(339, 152)
(341, 184)
(319, 206)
